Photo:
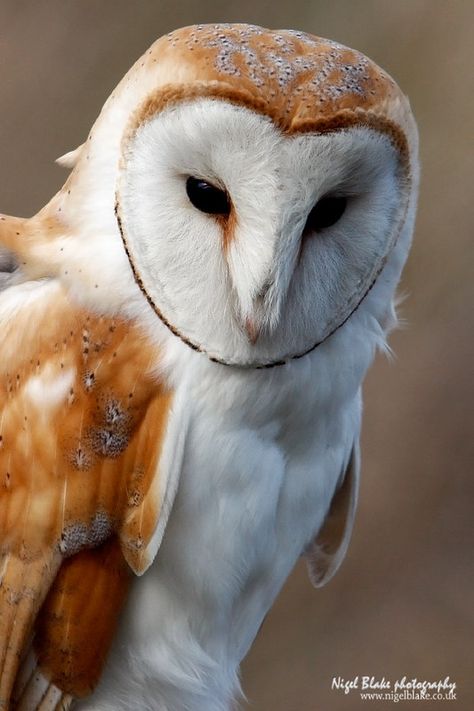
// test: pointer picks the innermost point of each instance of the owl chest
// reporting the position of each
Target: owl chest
(250, 499)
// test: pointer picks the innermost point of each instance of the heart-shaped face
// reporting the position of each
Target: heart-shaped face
(252, 243)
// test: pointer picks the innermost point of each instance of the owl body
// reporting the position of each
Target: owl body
(209, 287)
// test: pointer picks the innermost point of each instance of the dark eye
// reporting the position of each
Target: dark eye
(325, 213)
(207, 197)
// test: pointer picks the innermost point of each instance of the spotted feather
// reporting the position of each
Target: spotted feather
(82, 422)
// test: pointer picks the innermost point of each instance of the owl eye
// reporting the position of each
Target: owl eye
(325, 213)
(207, 198)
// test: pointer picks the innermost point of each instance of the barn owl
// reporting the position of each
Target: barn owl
(185, 328)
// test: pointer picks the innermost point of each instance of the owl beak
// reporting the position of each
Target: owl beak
(252, 330)
(251, 280)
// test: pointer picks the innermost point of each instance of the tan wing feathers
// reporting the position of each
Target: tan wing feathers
(79, 616)
(23, 587)
(82, 422)
(139, 519)
(74, 409)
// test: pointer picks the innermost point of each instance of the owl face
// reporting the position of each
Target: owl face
(261, 180)
(253, 244)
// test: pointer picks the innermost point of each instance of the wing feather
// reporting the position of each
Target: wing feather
(23, 587)
(329, 547)
(83, 423)
(78, 618)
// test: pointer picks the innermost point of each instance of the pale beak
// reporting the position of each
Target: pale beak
(252, 330)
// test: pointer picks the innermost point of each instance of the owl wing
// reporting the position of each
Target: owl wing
(90, 450)
(327, 551)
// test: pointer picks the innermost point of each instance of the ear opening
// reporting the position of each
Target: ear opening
(326, 553)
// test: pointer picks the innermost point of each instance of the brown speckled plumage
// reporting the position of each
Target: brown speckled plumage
(303, 82)
(81, 423)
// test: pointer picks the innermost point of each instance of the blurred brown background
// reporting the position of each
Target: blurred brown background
(402, 602)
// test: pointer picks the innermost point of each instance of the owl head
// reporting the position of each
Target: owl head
(253, 188)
